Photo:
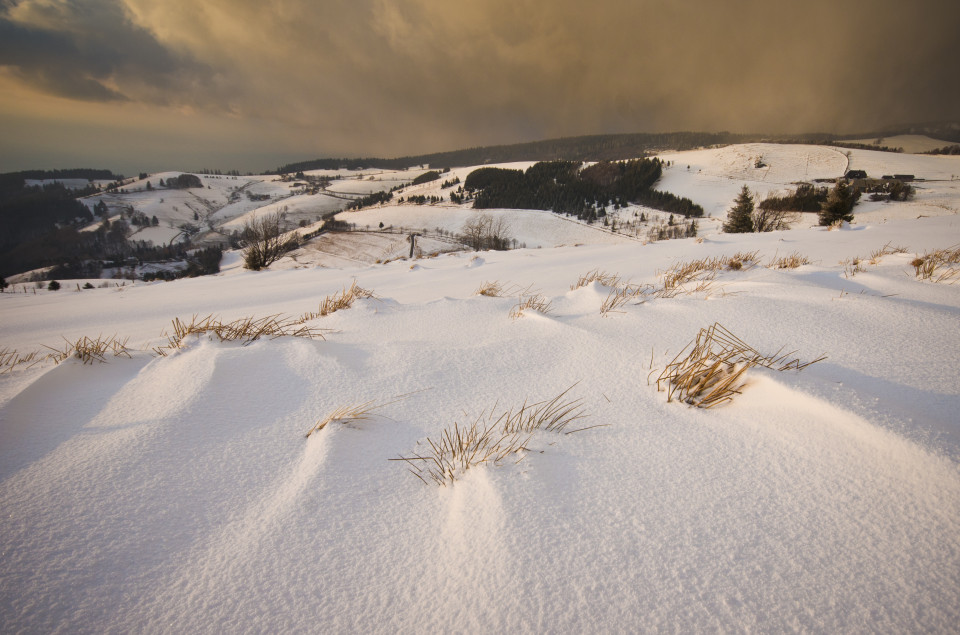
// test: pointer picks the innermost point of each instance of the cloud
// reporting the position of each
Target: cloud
(88, 51)
(396, 77)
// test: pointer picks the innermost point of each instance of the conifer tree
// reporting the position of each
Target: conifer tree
(740, 218)
(839, 203)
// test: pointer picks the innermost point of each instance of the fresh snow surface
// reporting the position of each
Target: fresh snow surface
(179, 493)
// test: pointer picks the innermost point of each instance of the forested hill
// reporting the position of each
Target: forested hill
(611, 147)
(608, 147)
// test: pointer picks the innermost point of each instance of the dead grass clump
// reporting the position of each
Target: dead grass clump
(792, 261)
(743, 260)
(940, 265)
(245, 330)
(619, 296)
(492, 439)
(877, 255)
(497, 289)
(533, 302)
(709, 371)
(852, 267)
(89, 350)
(10, 358)
(336, 302)
(604, 278)
(353, 413)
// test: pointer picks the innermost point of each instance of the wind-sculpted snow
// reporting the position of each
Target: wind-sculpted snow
(180, 493)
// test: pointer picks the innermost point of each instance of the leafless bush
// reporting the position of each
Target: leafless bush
(767, 219)
(483, 231)
(264, 241)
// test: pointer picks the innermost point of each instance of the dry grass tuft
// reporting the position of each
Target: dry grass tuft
(534, 301)
(89, 350)
(940, 265)
(709, 371)
(497, 289)
(612, 280)
(621, 291)
(354, 412)
(10, 359)
(491, 439)
(336, 302)
(852, 267)
(792, 261)
(877, 255)
(245, 330)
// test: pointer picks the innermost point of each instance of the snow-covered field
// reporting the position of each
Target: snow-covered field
(179, 493)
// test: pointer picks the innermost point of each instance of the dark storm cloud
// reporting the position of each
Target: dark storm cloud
(87, 51)
(396, 77)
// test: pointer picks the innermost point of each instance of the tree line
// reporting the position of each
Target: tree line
(567, 187)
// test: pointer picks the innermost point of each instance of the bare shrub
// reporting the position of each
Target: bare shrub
(768, 219)
(709, 370)
(264, 241)
(483, 231)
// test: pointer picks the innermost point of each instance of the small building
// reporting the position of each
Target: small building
(856, 174)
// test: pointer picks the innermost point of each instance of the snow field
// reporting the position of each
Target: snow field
(152, 493)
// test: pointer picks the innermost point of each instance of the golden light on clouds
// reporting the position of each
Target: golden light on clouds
(302, 79)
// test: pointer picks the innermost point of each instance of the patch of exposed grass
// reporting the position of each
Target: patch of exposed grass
(354, 412)
(792, 261)
(89, 350)
(877, 255)
(531, 302)
(11, 358)
(245, 330)
(497, 289)
(939, 265)
(709, 371)
(492, 439)
(344, 299)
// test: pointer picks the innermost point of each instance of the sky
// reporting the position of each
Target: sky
(145, 85)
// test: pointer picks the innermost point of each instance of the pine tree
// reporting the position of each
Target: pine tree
(740, 218)
(839, 203)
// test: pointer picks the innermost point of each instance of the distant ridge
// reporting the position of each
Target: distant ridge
(607, 147)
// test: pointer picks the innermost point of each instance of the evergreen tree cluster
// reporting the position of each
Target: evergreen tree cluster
(566, 187)
(426, 177)
(839, 203)
(371, 199)
(184, 182)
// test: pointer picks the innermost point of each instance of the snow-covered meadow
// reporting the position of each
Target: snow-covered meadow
(180, 493)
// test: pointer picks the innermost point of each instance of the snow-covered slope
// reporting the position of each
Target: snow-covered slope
(180, 493)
